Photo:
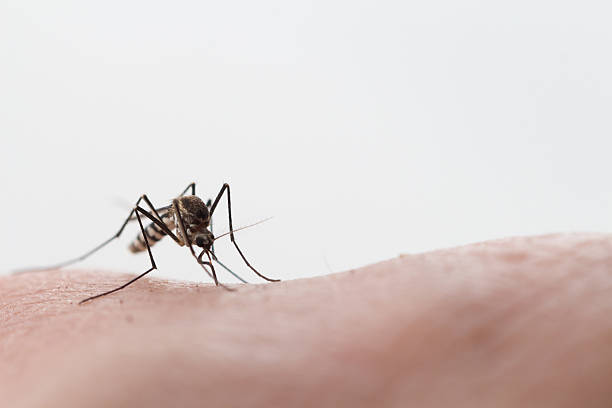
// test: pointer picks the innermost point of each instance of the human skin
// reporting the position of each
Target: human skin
(515, 322)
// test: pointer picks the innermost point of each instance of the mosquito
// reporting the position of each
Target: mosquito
(190, 218)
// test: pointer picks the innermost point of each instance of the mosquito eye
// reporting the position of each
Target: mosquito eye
(200, 241)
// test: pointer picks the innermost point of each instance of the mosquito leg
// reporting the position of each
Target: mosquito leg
(159, 209)
(214, 258)
(158, 221)
(192, 187)
(210, 227)
(137, 210)
(212, 248)
(183, 229)
(212, 267)
(88, 253)
(160, 224)
(229, 212)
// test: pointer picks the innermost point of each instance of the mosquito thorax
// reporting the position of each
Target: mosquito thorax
(193, 211)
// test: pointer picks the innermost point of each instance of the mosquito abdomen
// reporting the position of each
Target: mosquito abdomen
(154, 233)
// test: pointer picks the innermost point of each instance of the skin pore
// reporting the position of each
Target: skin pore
(516, 322)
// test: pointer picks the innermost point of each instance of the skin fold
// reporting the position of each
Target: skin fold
(515, 322)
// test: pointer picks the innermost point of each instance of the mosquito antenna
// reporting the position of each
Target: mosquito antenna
(245, 227)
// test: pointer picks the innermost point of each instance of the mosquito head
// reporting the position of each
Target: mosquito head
(204, 239)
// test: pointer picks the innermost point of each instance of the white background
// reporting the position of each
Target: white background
(366, 129)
